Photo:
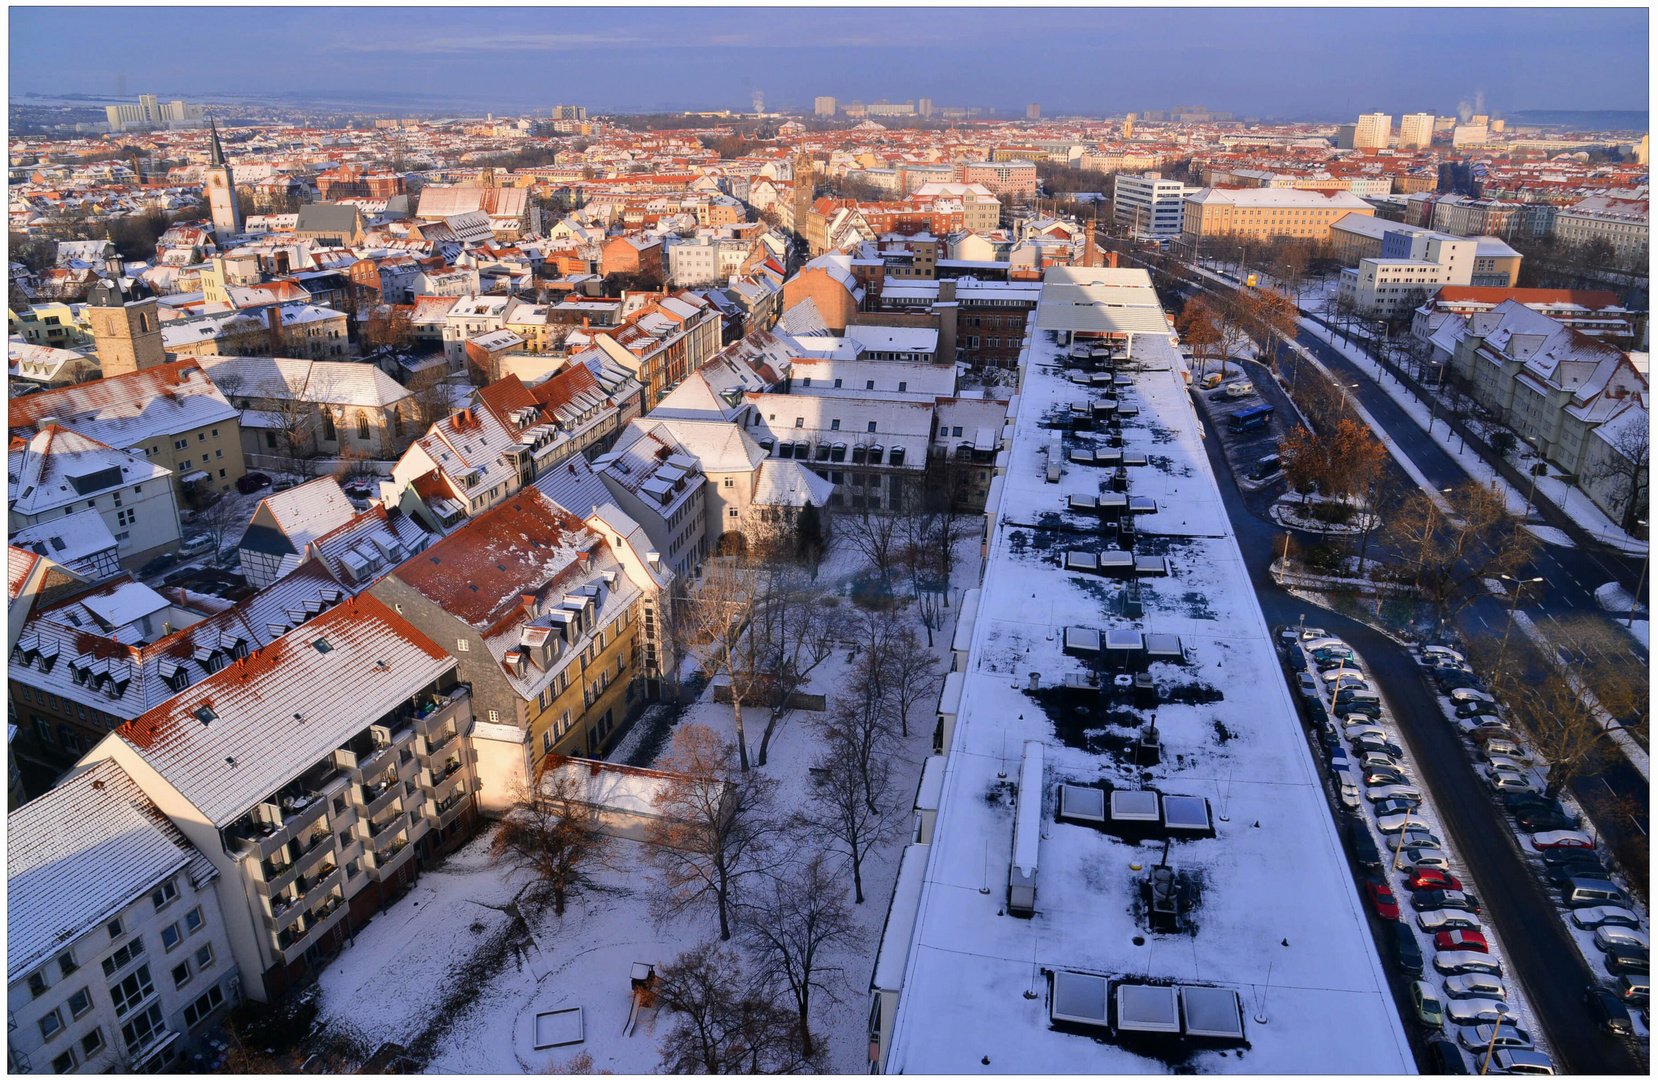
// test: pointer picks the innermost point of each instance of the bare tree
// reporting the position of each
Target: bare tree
(797, 918)
(849, 806)
(219, 521)
(291, 422)
(912, 674)
(861, 717)
(796, 624)
(724, 1021)
(1626, 471)
(717, 827)
(1455, 552)
(552, 834)
(873, 535)
(716, 619)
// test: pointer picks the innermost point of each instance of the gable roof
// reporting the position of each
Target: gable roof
(124, 410)
(79, 854)
(479, 572)
(283, 708)
(288, 520)
(56, 467)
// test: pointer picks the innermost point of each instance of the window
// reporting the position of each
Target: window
(462, 645)
(80, 1001)
(180, 444)
(204, 957)
(872, 425)
(143, 1029)
(800, 421)
(903, 386)
(834, 425)
(202, 1007)
(37, 983)
(92, 1041)
(362, 427)
(67, 965)
(132, 990)
(64, 1062)
(181, 974)
(170, 937)
(50, 1024)
(115, 929)
(164, 895)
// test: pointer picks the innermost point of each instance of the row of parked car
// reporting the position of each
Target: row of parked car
(1463, 1001)
(1570, 863)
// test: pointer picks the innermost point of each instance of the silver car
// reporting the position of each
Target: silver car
(1457, 962)
(1471, 1011)
(1475, 985)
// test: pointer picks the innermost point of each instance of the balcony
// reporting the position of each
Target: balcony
(448, 785)
(278, 878)
(315, 925)
(390, 861)
(439, 771)
(449, 809)
(377, 798)
(384, 837)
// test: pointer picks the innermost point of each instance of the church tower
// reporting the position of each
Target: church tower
(805, 181)
(125, 323)
(221, 192)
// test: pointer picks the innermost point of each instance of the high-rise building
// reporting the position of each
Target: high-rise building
(1148, 204)
(925, 106)
(823, 106)
(1372, 131)
(1033, 112)
(1415, 131)
(152, 109)
(221, 191)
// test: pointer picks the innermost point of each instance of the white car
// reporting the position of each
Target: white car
(1476, 985)
(1414, 837)
(1610, 934)
(195, 545)
(1471, 1011)
(1468, 693)
(1338, 678)
(1394, 791)
(1393, 823)
(1467, 963)
(1505, 748)
(1431, 858)
(1593, 918)
(1440, 652)
(1359, 731)
(1241, 388)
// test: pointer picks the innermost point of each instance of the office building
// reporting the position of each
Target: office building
(1149, 205)
(823, 106)
(1262, 213)
(1033, 112)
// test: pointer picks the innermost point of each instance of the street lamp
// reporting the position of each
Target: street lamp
(1519, 583)
(1534, 470)
(1635, 598)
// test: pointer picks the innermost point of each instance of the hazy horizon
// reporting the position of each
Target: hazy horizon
(1311, 63)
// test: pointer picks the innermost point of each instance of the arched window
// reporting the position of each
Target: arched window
(397, 420)
(362, 425)
(328, 432)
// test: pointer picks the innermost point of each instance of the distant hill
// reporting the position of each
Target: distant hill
(1581, 120)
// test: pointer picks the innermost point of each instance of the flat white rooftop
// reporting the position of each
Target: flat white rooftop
(1276, 918)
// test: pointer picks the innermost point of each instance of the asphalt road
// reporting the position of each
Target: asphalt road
(1542, 956)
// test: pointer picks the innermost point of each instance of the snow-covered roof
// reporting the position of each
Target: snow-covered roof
(902, 339)
(125, 410)
(79, 854)
(918, 381)
(299, 515)
(1244, 751)
(57, 467)
(280, 711)
(68, 539)
(331, 382)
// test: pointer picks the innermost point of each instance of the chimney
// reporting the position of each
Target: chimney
(1111, 259)
(273, 318)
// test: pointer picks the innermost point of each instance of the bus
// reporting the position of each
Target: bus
(1251, 419)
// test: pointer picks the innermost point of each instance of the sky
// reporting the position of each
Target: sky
(1311, 63)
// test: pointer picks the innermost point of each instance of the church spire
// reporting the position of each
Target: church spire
(218, 151)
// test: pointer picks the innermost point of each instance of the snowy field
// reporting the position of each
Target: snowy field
(445, 972)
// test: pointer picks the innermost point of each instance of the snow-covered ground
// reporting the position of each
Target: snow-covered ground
(439, 969)
(1279, 919)
(1616, 599)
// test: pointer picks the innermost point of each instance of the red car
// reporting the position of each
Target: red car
(1381, 899)
(1460, 941)
(1429, 877)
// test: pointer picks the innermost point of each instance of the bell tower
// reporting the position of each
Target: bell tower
(220, 190)
(125, 325)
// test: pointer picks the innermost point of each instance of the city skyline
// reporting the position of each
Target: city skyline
(1284, 63)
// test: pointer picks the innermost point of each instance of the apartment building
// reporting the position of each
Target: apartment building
(1373, 131)
(1263, 213)
(311, 774)
(284, 523)
(1416, 131)
(1016, 177)
(1148, 204)
(1545, 381)
(556, 623)
(91, 657)
(172, 414)
(57, 472)
(1598, 314)
(470, 316)
(653, 482)
(1361, 236)
(117, 956)
(1621, 223)
(663, 342)
(874, 451)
